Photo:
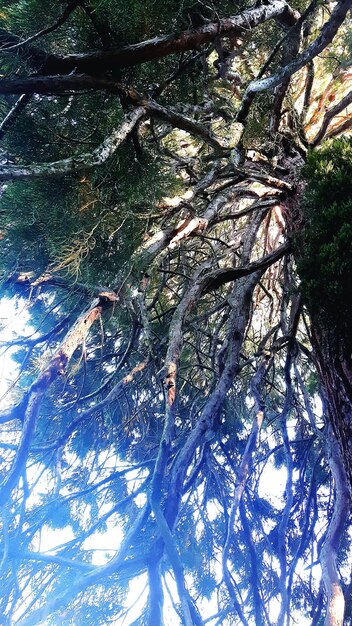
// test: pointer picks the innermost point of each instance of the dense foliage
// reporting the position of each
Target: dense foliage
(169, 450)
(326, 240)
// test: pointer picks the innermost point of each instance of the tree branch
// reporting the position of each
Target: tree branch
(76, 163)
(34, 397)
(13, 114)
(220, 277)
(329, 115)
(327, 34)
(45, 31)
(157, 48)
(115, 565)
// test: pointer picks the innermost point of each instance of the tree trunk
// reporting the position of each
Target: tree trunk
(335, 373)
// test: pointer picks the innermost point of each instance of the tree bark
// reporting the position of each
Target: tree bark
(94, 63)
(33, 398)
(336, 377)
(75, 163)
(335, 598)
(326, 36)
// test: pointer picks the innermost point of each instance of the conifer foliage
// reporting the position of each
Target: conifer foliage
(176, 417)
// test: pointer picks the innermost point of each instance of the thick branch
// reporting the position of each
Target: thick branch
(58, 84)
(76, 163)
(152, 49)
(101, 154)
(45, 31)
(34, 396)
(327, 34)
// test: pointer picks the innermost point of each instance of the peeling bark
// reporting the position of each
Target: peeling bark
(328, 554)
(327, 34)
(97, 62)
(38, 389)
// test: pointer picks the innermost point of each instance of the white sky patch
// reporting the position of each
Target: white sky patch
(272, 484)
(14, 323)
(170, 588)
(14, 317)
(136, 599)
(104, 545)
(318, 406)
(49, 539)
(140, 500)
(212, 510)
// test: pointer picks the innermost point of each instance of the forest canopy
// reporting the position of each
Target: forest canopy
(176, 262)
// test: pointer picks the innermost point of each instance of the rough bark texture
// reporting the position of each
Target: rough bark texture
(151, 50)
(196, 381)
(328, 555)
(336, 377)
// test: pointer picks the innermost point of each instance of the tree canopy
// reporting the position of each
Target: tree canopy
(176, 244)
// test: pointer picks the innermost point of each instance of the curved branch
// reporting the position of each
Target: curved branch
(76, 163)
(157, 48)
(327, 34)
(220, 277)
(116, 565)
(329, 115)
(328, 554)
(101, 154)
(45, 31)
(13, 114)
(33, 398)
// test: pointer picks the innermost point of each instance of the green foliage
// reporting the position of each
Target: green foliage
(141, 19)
(312, 383)
(324, 246)
(88, 227)
(75, 229)
(60, 517)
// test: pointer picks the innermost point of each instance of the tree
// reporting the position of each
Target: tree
(179, 232)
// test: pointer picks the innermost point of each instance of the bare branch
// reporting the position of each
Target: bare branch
(13, 114)
(45, 31)
(329, 116)
(327, 34)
